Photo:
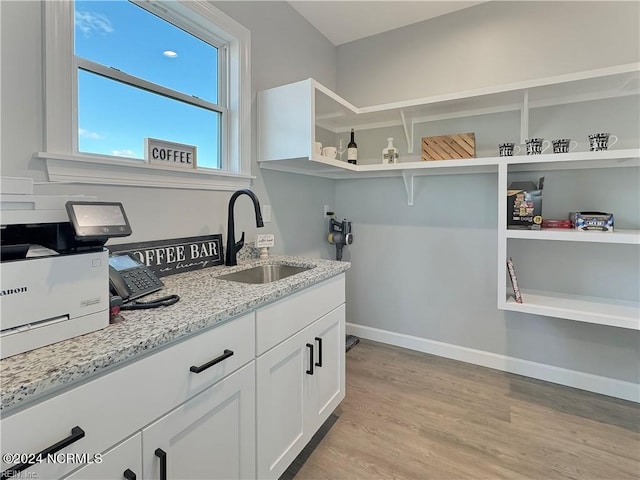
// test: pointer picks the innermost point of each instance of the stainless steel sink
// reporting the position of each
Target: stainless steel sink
(263, 273)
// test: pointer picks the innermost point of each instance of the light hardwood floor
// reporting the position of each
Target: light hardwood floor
(409, 415)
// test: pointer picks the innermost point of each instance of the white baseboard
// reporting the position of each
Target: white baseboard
(571, 378)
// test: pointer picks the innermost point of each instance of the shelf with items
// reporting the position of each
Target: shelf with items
(587, 282)
(629, 237)
(292, 117)
(326, 167)
(334, 168)
(602, 311)
(289, 115)
(337, 115)
(337, 170)
(540, 291)
(629, 157)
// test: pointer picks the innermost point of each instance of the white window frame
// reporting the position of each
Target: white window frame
(65, 164)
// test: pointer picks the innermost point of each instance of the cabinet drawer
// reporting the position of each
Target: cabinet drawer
(113, 464)
(281, 319)
(112, 407)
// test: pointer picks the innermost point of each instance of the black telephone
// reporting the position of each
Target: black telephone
(130, 279)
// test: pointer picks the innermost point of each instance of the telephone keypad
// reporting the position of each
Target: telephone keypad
(139, 280)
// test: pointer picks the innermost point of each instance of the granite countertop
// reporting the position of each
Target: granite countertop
(204, 302)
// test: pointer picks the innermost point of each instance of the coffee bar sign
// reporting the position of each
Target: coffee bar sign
(168, 257)
(169, 154)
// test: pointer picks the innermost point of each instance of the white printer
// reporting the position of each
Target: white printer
(54, 269)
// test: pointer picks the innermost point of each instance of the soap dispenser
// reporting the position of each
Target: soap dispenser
(390, 153)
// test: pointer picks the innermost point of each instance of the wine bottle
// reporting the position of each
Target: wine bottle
(352, 150)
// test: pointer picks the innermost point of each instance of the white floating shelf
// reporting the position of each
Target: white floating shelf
(331, 168)
(603, 311)
(630, 237)
(629, 157)
(321, 166)
(288, 116)
(337, 115)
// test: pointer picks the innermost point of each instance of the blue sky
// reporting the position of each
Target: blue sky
(114, 118)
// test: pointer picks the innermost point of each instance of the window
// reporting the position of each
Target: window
(174, 71)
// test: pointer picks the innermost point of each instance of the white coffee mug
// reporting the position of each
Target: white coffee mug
(330, 152)
(508, 149)
(317, 148)
(601, 141)
(536, 146)
(564, 145)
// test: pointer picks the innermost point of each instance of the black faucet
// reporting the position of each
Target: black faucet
(232, 246)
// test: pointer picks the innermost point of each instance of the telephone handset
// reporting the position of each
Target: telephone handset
(131, 279)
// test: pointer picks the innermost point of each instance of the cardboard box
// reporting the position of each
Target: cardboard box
(524, 204)
(592, 221)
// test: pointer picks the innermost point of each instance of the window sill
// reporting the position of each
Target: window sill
(64, 168)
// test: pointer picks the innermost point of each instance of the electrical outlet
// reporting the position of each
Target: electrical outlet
(325, 211)
(266, 213)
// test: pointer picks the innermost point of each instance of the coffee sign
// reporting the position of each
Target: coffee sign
(168, 257)
(169, 154)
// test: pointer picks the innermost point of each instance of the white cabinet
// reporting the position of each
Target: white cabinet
(190, 411)
(301, 380)
(100, 413)
(212, 436)
(280, 393)
(299, 383)
(326, 386)
(123, 461)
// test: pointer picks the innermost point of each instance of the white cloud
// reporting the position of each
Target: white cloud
(87, 134)
(90, 22)
(123, 153)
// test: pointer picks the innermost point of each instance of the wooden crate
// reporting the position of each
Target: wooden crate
(448, 147)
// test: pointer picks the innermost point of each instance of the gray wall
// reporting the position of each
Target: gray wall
(430, 270)
(285, 48)
(489, 44)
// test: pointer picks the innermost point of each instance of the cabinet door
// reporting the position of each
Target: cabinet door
(280, 394)
(123, 462)
(326, 387)
(211, 436)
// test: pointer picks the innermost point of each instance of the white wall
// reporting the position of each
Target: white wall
(278, 36)
(429, 271)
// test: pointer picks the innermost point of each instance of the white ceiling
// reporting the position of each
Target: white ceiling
(348, 20)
